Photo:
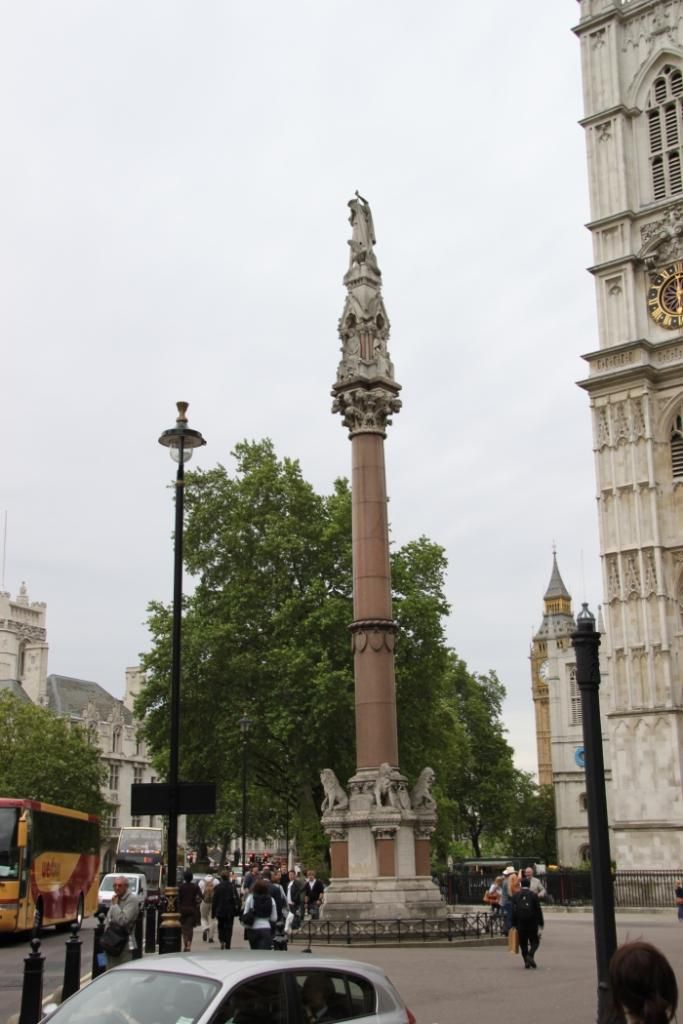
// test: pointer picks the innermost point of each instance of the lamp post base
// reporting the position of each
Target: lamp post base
(170, 934)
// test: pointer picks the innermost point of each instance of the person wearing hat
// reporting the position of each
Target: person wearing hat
(208, 922)
(505, 896)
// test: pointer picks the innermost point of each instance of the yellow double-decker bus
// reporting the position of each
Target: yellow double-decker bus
(49, 864)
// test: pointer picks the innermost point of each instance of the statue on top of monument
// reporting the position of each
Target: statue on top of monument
(363, 239)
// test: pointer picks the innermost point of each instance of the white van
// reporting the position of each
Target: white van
(137, 884)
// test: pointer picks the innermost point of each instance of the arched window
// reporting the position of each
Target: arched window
(574, 698)
(677, 447)
(116, 740)
(664, 123)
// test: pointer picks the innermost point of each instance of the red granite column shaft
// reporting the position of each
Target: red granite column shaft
(376, 733)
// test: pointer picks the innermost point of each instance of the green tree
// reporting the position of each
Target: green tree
(265, 632)
(46, 758)
(479, 789)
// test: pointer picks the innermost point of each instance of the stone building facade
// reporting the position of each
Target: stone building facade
(632, 62)
(110, 721)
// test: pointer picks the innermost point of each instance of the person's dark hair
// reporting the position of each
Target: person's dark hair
(187, 876)
(642, 983)
(261, 888)
(225, 875)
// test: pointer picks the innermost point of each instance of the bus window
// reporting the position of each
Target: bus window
(9, 854)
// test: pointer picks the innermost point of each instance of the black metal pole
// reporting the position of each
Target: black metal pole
(586, 641)
(32, 991)
(72, 964)
(244, 801)
(169, 940)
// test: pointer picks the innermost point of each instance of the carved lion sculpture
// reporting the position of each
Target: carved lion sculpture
(384, 792)
(334, 794)
(421, 796)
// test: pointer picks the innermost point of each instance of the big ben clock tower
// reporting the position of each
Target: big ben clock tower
(632, 61)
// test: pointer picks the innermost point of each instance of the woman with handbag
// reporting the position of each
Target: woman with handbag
(189, 898)
(493, 894)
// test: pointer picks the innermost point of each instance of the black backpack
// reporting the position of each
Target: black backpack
(525, 908)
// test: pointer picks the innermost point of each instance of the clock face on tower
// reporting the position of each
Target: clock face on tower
(665, 296)
(544, 671)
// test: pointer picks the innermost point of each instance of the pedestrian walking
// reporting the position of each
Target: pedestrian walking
(509, 881)
(313, 894)
(527, 917)
(259, 916)
(189, 898)
(225, 907)
(208, 922)
(679, 898)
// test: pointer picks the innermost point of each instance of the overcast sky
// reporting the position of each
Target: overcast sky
(173, 188)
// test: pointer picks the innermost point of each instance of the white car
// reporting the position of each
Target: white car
(137, 884)
(243, 987)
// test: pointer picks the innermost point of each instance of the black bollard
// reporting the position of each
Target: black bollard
(99, 957)
(150, 928)
(137, 952)
(32, 991)
(72, 964)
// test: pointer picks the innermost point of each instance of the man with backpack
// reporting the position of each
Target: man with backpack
(527, 918)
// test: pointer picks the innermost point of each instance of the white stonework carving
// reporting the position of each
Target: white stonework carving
(632, 575)
(650, 586)
(421, 797)
(362, 243)
(622, 429)
(638, 418)
(604, 131)
(613, 584)
(603, 427)
(365, 391)
(384, 792)
(335, 797)
(662, 239)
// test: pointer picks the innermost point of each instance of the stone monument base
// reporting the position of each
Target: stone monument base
(381, 899)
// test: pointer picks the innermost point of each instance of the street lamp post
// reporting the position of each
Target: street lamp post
(245, 726)
(180, 441)
(586, 641)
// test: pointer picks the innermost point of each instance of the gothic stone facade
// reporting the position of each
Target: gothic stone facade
(632, 60)
(23, 671)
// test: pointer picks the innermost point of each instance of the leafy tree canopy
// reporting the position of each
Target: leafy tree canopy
(46, 758)
(265, 633)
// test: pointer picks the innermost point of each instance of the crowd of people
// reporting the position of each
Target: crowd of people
(270, 903)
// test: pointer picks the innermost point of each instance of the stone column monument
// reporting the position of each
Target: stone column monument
(380, 832)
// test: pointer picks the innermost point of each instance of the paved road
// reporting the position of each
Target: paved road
(448, 985)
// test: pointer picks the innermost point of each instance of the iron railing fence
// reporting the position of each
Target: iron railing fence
(573, 888)
(453, 927)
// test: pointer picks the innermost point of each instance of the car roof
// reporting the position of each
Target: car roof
(123, 874)
(245, 962)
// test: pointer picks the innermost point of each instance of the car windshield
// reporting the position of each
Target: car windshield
(107, 884)
(138, 997)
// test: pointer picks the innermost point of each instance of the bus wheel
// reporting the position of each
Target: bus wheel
(80, 912)
(38, 919)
